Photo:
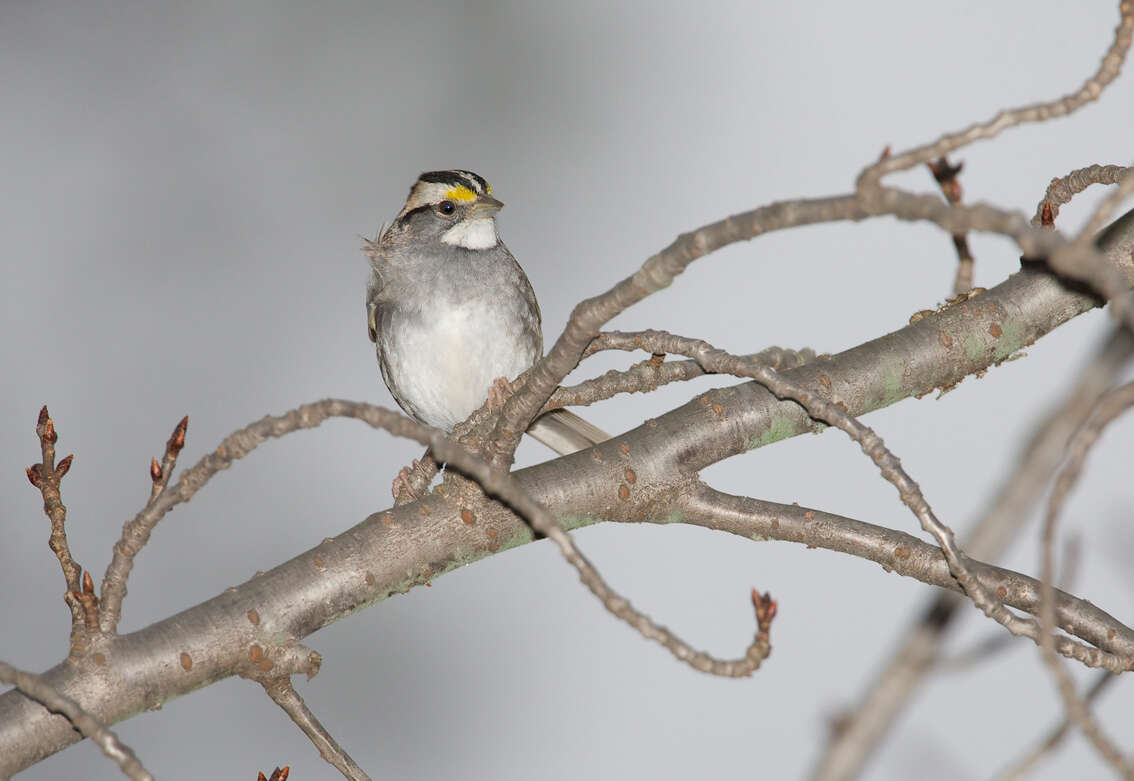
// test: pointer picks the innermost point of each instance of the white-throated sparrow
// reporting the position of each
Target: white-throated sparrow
(452, 313)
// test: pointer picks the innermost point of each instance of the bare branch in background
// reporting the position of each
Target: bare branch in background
(870, 721)
(1055, 738)
(1109, 406)
(34, 687)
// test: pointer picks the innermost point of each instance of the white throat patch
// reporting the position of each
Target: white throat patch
(479, 233)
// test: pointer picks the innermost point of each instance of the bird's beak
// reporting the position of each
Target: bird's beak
(485, 206)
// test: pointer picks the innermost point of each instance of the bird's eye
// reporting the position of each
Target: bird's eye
(446, 207)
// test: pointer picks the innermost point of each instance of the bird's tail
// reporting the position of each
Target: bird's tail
(565, 432)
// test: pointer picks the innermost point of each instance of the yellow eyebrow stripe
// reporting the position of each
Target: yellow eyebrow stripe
(460, 193)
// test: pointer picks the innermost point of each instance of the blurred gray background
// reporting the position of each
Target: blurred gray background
(184, 188)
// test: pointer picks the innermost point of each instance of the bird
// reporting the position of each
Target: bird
(452, 315)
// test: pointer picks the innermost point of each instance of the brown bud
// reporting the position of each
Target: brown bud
(155, 470)
(88, 583)
(944, 172)
(177, 438)
(33, 475)
(1047, 216)
(765, 609)
(64, 466)
(42, 416)
(49, 434)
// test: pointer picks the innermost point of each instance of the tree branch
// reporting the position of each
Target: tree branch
(47, 476)
(1019, 494)
(1062, 190)
(137, 532)
(1092, 88)
(946, 176)
(1025, 764)
(394, 550)
(284, 695)
(37, 690)
(1109, 406)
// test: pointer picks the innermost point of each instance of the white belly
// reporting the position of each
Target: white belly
(442, 368)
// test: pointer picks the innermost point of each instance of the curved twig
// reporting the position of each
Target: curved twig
(1092, 88)
(716, 360)
(1063, 189)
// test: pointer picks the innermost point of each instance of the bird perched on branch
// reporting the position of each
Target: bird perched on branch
(451, 312)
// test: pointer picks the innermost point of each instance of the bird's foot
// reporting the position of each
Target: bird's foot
(403, 488)
(499, 392)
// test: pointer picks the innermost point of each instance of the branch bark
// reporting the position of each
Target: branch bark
(396, 549)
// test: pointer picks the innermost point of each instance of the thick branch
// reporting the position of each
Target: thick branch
(38, 691)
(395, 550)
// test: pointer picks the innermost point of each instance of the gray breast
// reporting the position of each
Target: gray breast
(443, 340)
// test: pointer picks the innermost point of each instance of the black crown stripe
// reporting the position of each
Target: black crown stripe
(455, 178)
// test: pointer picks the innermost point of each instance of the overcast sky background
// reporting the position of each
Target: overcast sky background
(183, 192)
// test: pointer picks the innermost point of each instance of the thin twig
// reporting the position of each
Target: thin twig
(421, 541)
(284, 695)
(1092, 88)
(160, 471)
(713, 359)
(34, 688)
(1062, 190)
(503, 485)
(946, 176)
(588, 317)
(656, 273)
(1020, 769)
(46, 476)
(983, 650)
(654, 372)
(1107, 409)
(1014, 501)
(643, 377)
(1102, 214)
(136, 533)
(896, 552)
